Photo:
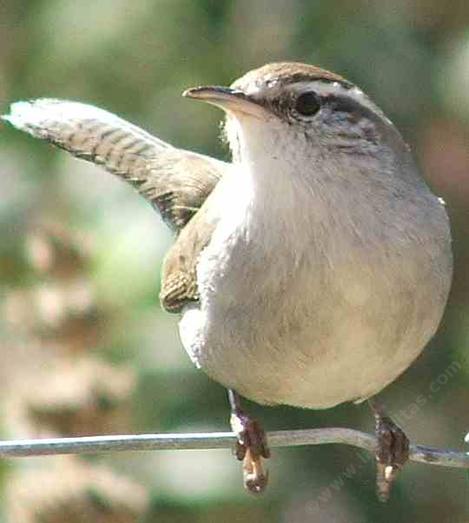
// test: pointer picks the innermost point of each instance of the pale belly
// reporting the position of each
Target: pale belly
(322, 338)
(302, 311)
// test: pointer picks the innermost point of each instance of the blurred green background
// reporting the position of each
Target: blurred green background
(75, 239)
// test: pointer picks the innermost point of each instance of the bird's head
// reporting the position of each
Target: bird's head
(293, 108)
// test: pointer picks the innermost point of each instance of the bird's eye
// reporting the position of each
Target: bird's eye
(307, 104)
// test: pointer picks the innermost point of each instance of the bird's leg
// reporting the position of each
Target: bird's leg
(392, 452)
(251, 446)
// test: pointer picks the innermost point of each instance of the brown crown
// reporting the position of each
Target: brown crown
(287, 72)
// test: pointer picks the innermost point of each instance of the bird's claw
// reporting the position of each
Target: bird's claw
(391, 455)
(250, 448)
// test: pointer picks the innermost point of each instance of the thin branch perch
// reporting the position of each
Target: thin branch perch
(219, 440)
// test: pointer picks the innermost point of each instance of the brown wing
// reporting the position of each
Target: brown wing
(179, 278)
(176, 182)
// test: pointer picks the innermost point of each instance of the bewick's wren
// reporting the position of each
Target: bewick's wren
(313, 269)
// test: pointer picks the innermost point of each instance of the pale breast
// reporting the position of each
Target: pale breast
(309, 314)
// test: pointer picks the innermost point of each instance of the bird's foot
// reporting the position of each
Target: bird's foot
(392, 452)
(251, 448)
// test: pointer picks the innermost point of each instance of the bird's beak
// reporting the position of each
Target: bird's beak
(228, 99)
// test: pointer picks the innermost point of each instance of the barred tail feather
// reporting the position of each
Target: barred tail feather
(89, 133)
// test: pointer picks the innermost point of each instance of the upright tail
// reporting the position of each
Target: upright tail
(175, 181)
(87, 132)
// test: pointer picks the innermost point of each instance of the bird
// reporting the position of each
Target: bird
(310, 270)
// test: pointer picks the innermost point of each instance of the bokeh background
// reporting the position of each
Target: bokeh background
(85, 348)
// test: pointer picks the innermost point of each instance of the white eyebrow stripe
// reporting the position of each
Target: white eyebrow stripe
(335, 89)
